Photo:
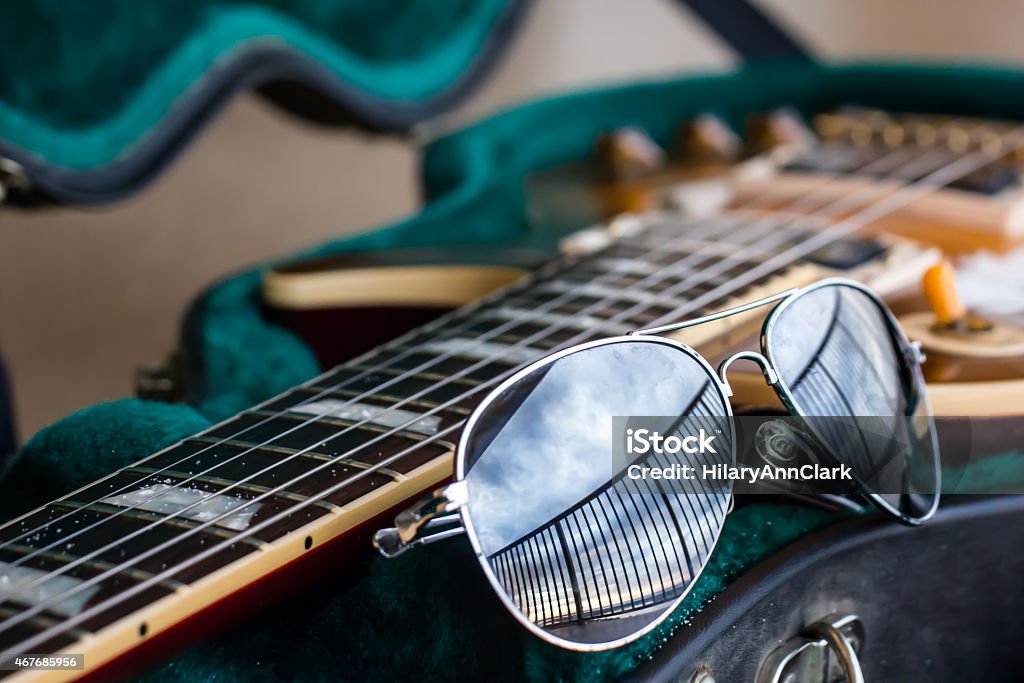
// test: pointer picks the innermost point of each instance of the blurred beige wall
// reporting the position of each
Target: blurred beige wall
(86, 296)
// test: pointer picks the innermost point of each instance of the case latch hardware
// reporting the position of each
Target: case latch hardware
(825, 651)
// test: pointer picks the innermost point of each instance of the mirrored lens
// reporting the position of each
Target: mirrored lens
(851, 376)
(578, 546)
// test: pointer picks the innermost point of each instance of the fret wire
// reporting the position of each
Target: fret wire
(388, 402)
(327, 415)
(286, 451)
(247, 487)
(42, 620)
(314, 456)
(153, 517)
(523, 328)
(132, 573)
(351, 398)
(848, 221)
(425, 375)
(765, 199)
(587, 322)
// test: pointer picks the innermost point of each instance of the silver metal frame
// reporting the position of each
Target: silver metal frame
(911, 352)
(467, 522)
(783, 300)
(453, 497)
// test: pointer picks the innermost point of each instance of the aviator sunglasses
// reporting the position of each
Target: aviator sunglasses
(589, 558)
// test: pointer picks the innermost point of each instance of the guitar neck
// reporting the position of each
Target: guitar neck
(113, 564)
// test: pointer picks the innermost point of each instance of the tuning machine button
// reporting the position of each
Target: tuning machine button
(633, 174)
(782, 129)
(707, 139)
(626, 154)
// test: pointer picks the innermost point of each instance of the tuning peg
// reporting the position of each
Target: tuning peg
(780, 128)
(626, 154)
(707, 139)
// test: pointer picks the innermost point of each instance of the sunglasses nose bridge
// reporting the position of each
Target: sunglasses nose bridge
(770, 376)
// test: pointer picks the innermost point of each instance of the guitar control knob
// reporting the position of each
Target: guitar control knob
(939, 287)
(950, 330)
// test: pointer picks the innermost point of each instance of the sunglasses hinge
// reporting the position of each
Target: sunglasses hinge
(917, 352)
(431, 513)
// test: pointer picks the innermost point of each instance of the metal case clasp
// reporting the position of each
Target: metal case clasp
(825, 651)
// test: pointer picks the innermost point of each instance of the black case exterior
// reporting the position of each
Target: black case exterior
(940, 602)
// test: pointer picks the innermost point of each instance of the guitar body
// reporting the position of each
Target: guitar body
(789, 584)
(383, 295)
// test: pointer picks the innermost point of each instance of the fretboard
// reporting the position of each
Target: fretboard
(301, 469)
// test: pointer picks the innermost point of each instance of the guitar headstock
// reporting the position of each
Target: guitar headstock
(783, 163)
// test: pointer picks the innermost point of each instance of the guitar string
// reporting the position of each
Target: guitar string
(685, 283)
(468, 320)
(851, 223)
(664, 274)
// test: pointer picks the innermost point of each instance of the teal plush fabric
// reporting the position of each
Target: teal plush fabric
(80, 83)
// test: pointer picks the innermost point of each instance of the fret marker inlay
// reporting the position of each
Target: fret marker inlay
(378, 415)
(14, 586)
(474, 348)
(172, 500)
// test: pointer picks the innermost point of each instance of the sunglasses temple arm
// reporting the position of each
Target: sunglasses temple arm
(432, 519)
(672, 327)
(389, 544)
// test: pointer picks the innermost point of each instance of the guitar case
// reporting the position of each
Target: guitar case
(938, 603)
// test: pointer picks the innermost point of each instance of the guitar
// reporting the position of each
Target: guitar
(158, 553)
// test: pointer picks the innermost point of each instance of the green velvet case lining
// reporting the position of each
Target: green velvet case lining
(81, 83)
(388, 623)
